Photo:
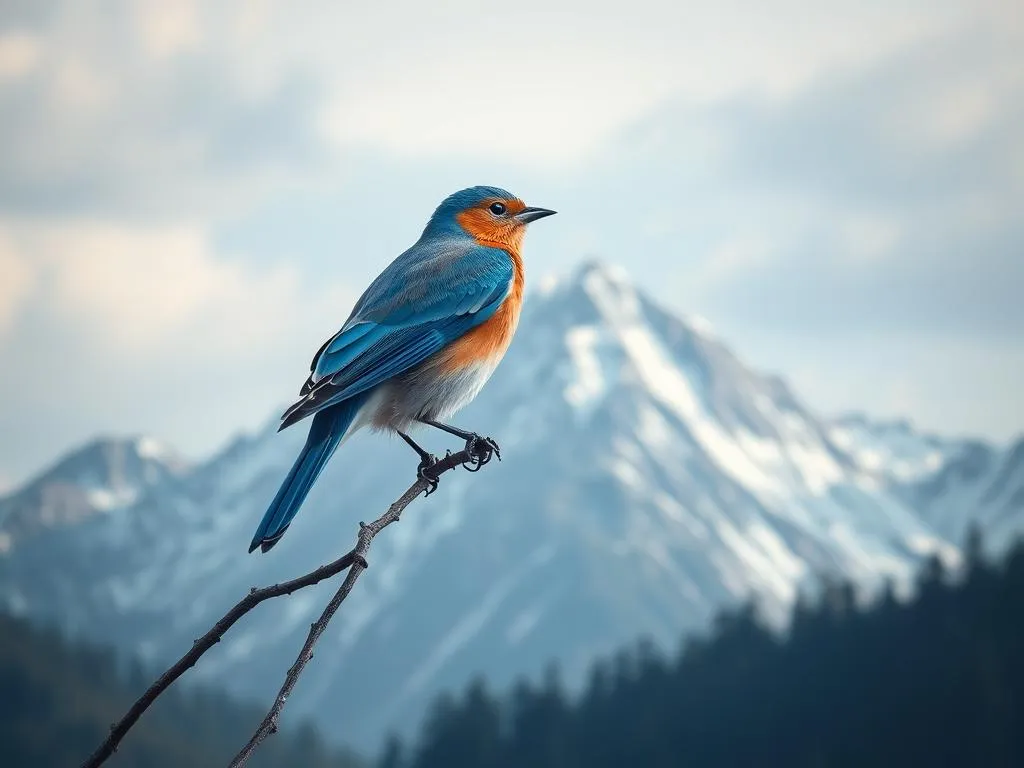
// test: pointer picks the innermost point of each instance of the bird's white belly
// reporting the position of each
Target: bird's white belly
(427, 392)
(454, 391)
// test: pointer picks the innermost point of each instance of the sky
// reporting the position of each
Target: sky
(193, 194)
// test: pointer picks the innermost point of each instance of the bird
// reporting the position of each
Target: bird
(418, 345)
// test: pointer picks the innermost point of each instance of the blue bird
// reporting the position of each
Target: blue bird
(420, 343)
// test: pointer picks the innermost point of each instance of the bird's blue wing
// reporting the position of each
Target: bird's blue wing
(428, 297)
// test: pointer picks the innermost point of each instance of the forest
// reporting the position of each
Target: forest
(57, 700)
(937, 680)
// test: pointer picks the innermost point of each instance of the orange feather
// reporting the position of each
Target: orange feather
(491, 338)
(505, 233)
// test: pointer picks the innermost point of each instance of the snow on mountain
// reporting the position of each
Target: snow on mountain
(983, 485)
(893, 449)
(648, 478)
(951, 483)
(105, 475)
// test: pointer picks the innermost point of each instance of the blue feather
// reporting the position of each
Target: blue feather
(325, 433)
(405, 316)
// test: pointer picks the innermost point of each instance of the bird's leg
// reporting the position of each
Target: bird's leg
(427, 460)
(482, 449)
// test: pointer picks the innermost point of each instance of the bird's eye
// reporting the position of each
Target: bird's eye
(497, 208)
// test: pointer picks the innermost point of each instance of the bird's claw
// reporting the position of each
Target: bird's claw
(481, 450)
(426, 464)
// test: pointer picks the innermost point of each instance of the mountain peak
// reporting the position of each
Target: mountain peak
(598, 269)
(105, 474)
(611, 291)
(116, 458)
(587, 276)
(648, 478)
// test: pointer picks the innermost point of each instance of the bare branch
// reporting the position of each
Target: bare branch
(205, 643)
(354, 560)
(359, 564)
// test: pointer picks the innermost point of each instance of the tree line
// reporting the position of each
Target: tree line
(58, 698)
(935, 680)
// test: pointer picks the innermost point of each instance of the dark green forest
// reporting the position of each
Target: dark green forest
(58, 699)
(934, 681)
(937, 680)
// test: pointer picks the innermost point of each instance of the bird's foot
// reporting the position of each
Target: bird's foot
(427, 463)
(481, 450)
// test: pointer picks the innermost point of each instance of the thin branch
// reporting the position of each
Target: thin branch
(366, 534)
(205, 643)
(256, 596)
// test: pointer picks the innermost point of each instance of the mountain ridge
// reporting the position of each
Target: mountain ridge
(106, 473)
(648, 479)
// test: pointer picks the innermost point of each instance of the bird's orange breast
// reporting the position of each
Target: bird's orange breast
(487, 342)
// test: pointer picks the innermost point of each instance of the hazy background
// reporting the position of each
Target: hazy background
(192, 194)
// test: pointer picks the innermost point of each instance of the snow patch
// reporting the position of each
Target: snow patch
(107, 499)
(700, 325)
(588, 384)
(665, 382)
(524, 623)
(547, 285)
(928, 545)
(151, 448)
(653, 431)
(770, 564)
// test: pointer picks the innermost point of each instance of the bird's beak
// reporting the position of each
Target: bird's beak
(532, 214)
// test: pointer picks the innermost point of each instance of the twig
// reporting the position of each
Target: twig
(256, 596)
(205, 643)
(359, 564)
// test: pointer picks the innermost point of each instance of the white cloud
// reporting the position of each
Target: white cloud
(815, 167)
(543, 87)
(867, 237)
(19, 54)
(16, 279)
(141, 289)
(168, 27)
(546, 84)
(150, 329)
(734, 257)
(933, 380)
(963, 100)
(81, 87)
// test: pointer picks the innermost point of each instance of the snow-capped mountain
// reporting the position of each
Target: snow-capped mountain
(893, 450)
(648, 478)
(951, 483)
(105, 475)
(982, 484)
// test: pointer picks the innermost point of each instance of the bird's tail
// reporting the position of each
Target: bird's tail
(325, 434)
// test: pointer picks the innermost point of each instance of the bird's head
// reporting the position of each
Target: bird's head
(490, 215)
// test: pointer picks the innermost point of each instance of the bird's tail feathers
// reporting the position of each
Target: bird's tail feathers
(325, 434)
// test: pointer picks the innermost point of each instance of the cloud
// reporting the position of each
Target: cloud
(151, 329)
(173, 108)
(855, 205)
(167, 27)
(19, 55)
(548, 86)
(139, 290)
(129, 110)
(17, 281)
(136, 288)
(954, 386)
(188, 187)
